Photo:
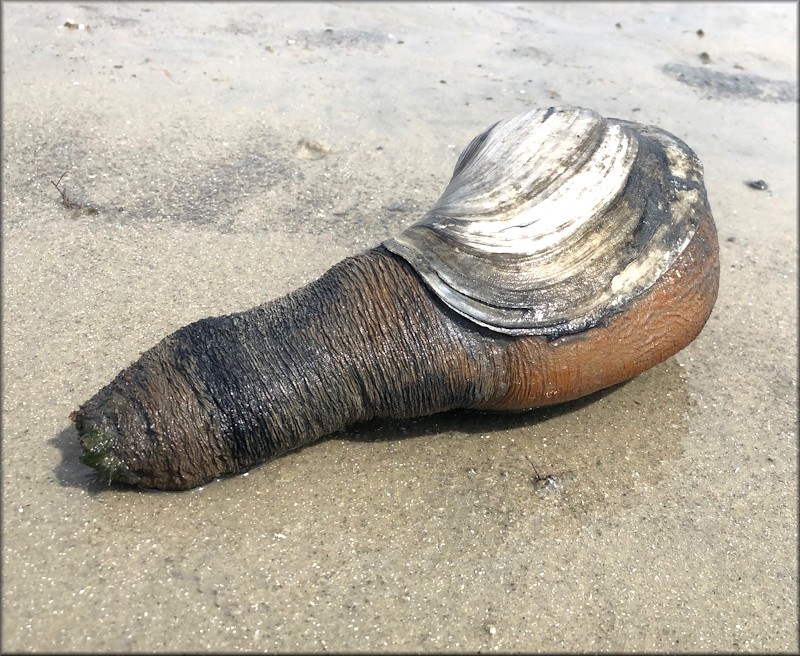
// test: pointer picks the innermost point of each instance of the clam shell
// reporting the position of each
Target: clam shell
(555, 219)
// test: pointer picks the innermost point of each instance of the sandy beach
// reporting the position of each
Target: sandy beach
(218, 156)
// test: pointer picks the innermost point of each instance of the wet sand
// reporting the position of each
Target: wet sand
(222, 155)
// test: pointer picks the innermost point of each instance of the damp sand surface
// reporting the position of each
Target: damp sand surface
(219, 156)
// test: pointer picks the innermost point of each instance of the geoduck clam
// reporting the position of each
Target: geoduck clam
(568, 253)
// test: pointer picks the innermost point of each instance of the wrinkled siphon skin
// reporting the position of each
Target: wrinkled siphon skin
(367, 340)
